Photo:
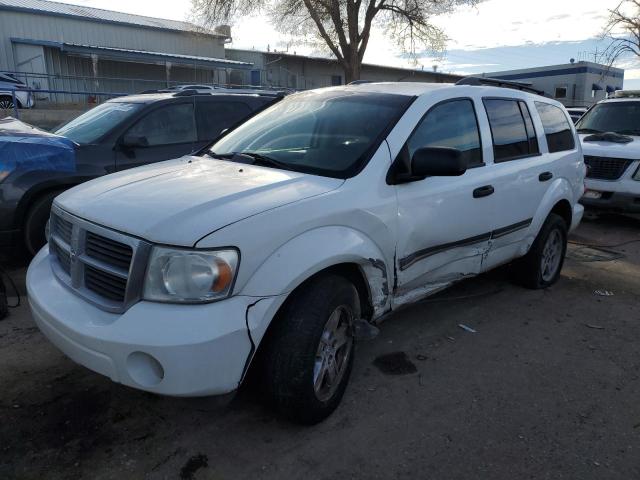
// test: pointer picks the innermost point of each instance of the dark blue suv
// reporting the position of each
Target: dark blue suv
(119, 134)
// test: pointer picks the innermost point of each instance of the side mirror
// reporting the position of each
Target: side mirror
(438, 162)
(134, 141)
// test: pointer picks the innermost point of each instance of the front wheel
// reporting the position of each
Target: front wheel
(36, 221)
(541, 267)
(311, 349)
(6, 103)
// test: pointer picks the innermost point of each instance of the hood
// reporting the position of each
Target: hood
(180, 201)
(601, 148)
(25, 148)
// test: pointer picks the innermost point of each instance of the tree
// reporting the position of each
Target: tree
(342, 26)
(623, 31)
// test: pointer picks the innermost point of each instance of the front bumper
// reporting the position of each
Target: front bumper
(622, 195)
(614, 202)
(181, 350)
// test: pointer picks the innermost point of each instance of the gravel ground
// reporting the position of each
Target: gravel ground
(547, 388)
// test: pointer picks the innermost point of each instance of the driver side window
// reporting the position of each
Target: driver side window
(171, 124)
(451, 124)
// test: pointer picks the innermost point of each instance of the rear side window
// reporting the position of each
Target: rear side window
(556, 127)
(511, 128)
(213, 117)
(451, 124)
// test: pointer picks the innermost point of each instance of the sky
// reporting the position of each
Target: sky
(496, 35)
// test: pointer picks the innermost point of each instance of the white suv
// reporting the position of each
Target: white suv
(610, 135)
(330, 209)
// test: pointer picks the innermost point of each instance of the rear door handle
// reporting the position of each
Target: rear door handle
(545, 176)
(483, 191)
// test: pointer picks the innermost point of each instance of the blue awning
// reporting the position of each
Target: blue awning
(142, 56)
(596, 87)
(610, 89)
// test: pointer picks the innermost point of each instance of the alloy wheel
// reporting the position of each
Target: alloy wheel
(334, 352)
(551, 256)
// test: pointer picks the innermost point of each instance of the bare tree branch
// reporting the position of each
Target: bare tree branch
(623, 32)
(343, 26)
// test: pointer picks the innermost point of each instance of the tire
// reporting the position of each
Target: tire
(6, 102)
(295, 357)
(540, 268)
(36, 221)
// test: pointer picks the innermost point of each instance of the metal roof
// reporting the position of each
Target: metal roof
(135, 55)
(99, 15)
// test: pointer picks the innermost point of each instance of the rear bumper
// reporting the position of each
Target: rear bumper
(576, 218)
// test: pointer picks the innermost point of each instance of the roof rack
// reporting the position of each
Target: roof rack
(497, 82)
(192, 92)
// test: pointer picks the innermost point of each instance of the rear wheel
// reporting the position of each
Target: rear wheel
(311, 349)
(36, 221)
(541, 267)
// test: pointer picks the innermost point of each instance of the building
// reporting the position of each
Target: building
(281, 69)
(579, 84)
(57, 46)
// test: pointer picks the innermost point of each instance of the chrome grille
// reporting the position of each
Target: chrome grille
(105, 284)
(64, 259)
(114, 253)
(62, 228)
(604, 168)
(104, 266)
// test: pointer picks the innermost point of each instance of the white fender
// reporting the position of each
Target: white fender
(317, 249)
(559, 190)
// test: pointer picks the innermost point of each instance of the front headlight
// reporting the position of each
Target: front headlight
(190, 276)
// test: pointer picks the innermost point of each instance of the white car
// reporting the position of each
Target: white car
(610, 136)
(9, 84)
(323, 213)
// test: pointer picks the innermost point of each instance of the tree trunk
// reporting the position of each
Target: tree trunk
(351, 72)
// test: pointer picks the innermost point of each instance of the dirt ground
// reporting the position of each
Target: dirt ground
(547, 388)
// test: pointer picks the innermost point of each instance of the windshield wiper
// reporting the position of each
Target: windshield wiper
(628, 132)
(263, 159)
(588, 130)
(251, 158)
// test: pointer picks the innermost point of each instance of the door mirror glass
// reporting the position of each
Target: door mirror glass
(134, 141)
(438, 162)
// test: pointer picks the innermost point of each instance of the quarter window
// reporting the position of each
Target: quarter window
(167, 125)
(451, 124)
(531, 131)
(556, 127)
(511, 137)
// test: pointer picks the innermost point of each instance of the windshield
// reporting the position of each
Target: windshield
(90, 126)
(619, 117)
(330, 133)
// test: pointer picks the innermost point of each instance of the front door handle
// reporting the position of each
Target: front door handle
(543, 177)
(483, 191)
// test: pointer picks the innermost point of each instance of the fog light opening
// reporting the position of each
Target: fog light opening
(144, 369)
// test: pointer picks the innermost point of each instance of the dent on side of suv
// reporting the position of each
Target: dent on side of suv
(297, 229)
